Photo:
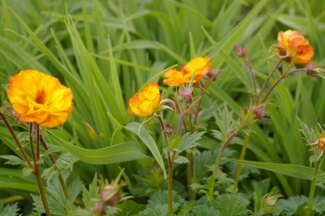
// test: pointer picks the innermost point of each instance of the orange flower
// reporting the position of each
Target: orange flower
(293, 44)
(147, 102)
(200, 66)
(39, 98)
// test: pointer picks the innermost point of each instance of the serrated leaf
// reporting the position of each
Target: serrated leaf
(9, 209)
(319, 204)
(66, 161)
(181, 160)
(224, 120)
(129, 208)
(204, 210)
(157, 211)
(292, 204)
(27, 171)
(13, 160)
(174, 143)
(308, 133)
(230, 205)
(189, 140)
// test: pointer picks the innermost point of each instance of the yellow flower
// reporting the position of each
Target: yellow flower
(39, 98)
(147, 102)
(293, 44)
(200, 66)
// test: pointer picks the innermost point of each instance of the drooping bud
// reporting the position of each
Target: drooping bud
(259, 111)
(240, 51)
(212, 74)
(313, 70)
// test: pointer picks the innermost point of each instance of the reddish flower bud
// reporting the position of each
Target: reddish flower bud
(240, 51)
(186, 93)
(168, 129)
(259, 112)
(212, 74)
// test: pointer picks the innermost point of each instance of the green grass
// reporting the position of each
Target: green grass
(105, 51)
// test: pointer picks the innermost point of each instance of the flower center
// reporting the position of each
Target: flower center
(300, 51)
(40, 97)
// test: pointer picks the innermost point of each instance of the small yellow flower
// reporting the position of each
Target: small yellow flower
(293, 44)
(200, 66)
(147, 102)
(39, 98)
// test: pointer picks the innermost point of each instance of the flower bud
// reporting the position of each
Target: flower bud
(240, 51)
(212, 74)
(271, 200)
(313, 70)
(186, 93)
(168, 129)
(321, 143)
(259, 111)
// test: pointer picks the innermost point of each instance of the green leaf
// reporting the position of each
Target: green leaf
(293, 170)
(66, 161)
(230, 204)
(114, 154)
(174, 143)
(9, 209)
(181, 160)
(90, 196)
(292, 204)
(145, 136)
(189, 140)
(309, 133)
(129, 207)
(204, 210)
(13, 160)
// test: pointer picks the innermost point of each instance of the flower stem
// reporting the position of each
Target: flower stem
(221, 151)
(170, 164)
(250, 67)
(52, 159)
(242, 156)
(268, 79)
(313, 184)
(21, 149)
(37, 175)
(36, 171)
(273, 86)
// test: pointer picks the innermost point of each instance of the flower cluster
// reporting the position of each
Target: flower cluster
(40, 98)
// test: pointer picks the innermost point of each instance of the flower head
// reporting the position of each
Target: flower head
(147, 102)
(200, 66)
(40, 98)
(294, 45)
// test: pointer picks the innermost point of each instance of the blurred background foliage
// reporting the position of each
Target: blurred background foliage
(105, 51)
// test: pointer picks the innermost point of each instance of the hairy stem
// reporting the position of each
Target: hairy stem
(170, 165)
(273, 86)
(222, 150)
(21, 149)
(242, 156)
(36, 170)
(268, 79)
(52, 159)
(313, 184)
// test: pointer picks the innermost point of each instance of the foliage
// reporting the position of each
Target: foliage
(106, 51)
